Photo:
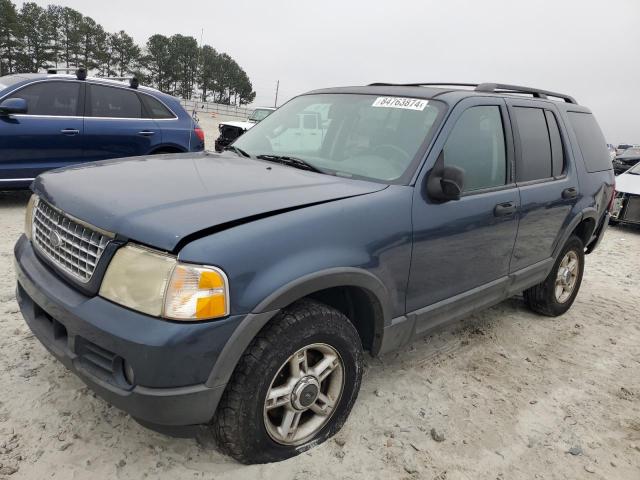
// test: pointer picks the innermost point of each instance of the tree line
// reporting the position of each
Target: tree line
(34, 38)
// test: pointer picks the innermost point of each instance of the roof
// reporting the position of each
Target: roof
(23, 78)
(452, 93)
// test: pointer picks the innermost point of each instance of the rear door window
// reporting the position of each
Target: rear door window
(58, 99)
(477, 145)
(154, 108)
(534, 161)
(592, 144)
(112, 102)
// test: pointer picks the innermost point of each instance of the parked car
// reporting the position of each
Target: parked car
(53, 120)
(622, 147)
(231, 130)
(626, 208)
(626, 160)
(240, 292)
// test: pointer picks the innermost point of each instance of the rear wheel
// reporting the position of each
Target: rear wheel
(294, 386)
(555, 295)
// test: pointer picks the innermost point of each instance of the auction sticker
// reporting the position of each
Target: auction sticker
(400, 102)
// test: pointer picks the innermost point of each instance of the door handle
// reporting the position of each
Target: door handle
(504, 209)
(146, 133)
(70, 131)
(570, 192)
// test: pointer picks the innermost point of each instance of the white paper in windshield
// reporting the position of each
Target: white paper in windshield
(401, 102)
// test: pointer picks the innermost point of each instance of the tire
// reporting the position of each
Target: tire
(244, 424)
(543, 298)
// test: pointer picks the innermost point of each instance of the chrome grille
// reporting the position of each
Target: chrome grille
(72, 246)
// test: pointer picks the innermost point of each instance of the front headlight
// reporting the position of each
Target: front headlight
(158, 284)
(28, 216)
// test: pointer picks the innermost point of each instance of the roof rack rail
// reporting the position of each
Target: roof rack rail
(486, 87)
(535, 92)
(81, 72)
(133, 81)
(422, 84)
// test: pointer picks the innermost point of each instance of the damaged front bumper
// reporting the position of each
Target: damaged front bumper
(626, 209)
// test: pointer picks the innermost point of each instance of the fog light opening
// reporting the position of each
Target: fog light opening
(128, 373)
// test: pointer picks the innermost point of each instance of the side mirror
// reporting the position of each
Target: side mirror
(445, 183)
(12, 106)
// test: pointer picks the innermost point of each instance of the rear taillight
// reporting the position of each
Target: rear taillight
(199, 133)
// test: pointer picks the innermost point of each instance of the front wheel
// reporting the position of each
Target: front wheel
(294, 386)
(555, 295)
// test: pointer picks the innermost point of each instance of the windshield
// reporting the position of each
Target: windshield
(635, 169)
(362, 136)
(260, 114)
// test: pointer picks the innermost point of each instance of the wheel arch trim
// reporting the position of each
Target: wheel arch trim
(286, 295)
(329, 278)
(587, 213)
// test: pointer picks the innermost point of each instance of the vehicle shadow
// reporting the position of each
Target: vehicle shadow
(633, 229)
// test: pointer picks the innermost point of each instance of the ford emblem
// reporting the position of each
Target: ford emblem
(55, 239)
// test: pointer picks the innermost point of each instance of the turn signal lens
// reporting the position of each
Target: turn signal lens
(196, 293)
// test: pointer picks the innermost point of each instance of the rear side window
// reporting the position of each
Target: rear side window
(476, 144)
(557, 152)
(534, 162)
(58, 99)
(591, 141)
(114, 103)
(154, 108)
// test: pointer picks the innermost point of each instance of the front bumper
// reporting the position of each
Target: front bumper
(97, 340)
(627, 209)
(221, 143)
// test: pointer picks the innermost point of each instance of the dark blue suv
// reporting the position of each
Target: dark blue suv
(49, 121)
(238, 291)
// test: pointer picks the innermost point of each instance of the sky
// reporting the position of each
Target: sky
(588, 49)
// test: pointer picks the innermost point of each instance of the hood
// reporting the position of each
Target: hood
(242, 125)
(159, 200)
(628, 183)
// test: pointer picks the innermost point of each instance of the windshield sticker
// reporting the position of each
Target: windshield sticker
(400, 102)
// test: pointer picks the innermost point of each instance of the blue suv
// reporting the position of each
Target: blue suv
(49, 121)
(241, 289)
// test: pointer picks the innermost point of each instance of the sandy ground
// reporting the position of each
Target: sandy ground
(511, 396)
(209, 123)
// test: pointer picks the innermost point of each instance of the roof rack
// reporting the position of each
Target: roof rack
(430, 84)
(81, 73)
(133, 81)
(536, 92)
(488, 88)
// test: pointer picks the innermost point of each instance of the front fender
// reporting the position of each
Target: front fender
(287, 294)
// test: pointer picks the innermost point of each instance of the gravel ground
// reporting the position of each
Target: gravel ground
(510, 395)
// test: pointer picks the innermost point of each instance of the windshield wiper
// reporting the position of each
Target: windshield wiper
(237, 150)
(291, 162)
